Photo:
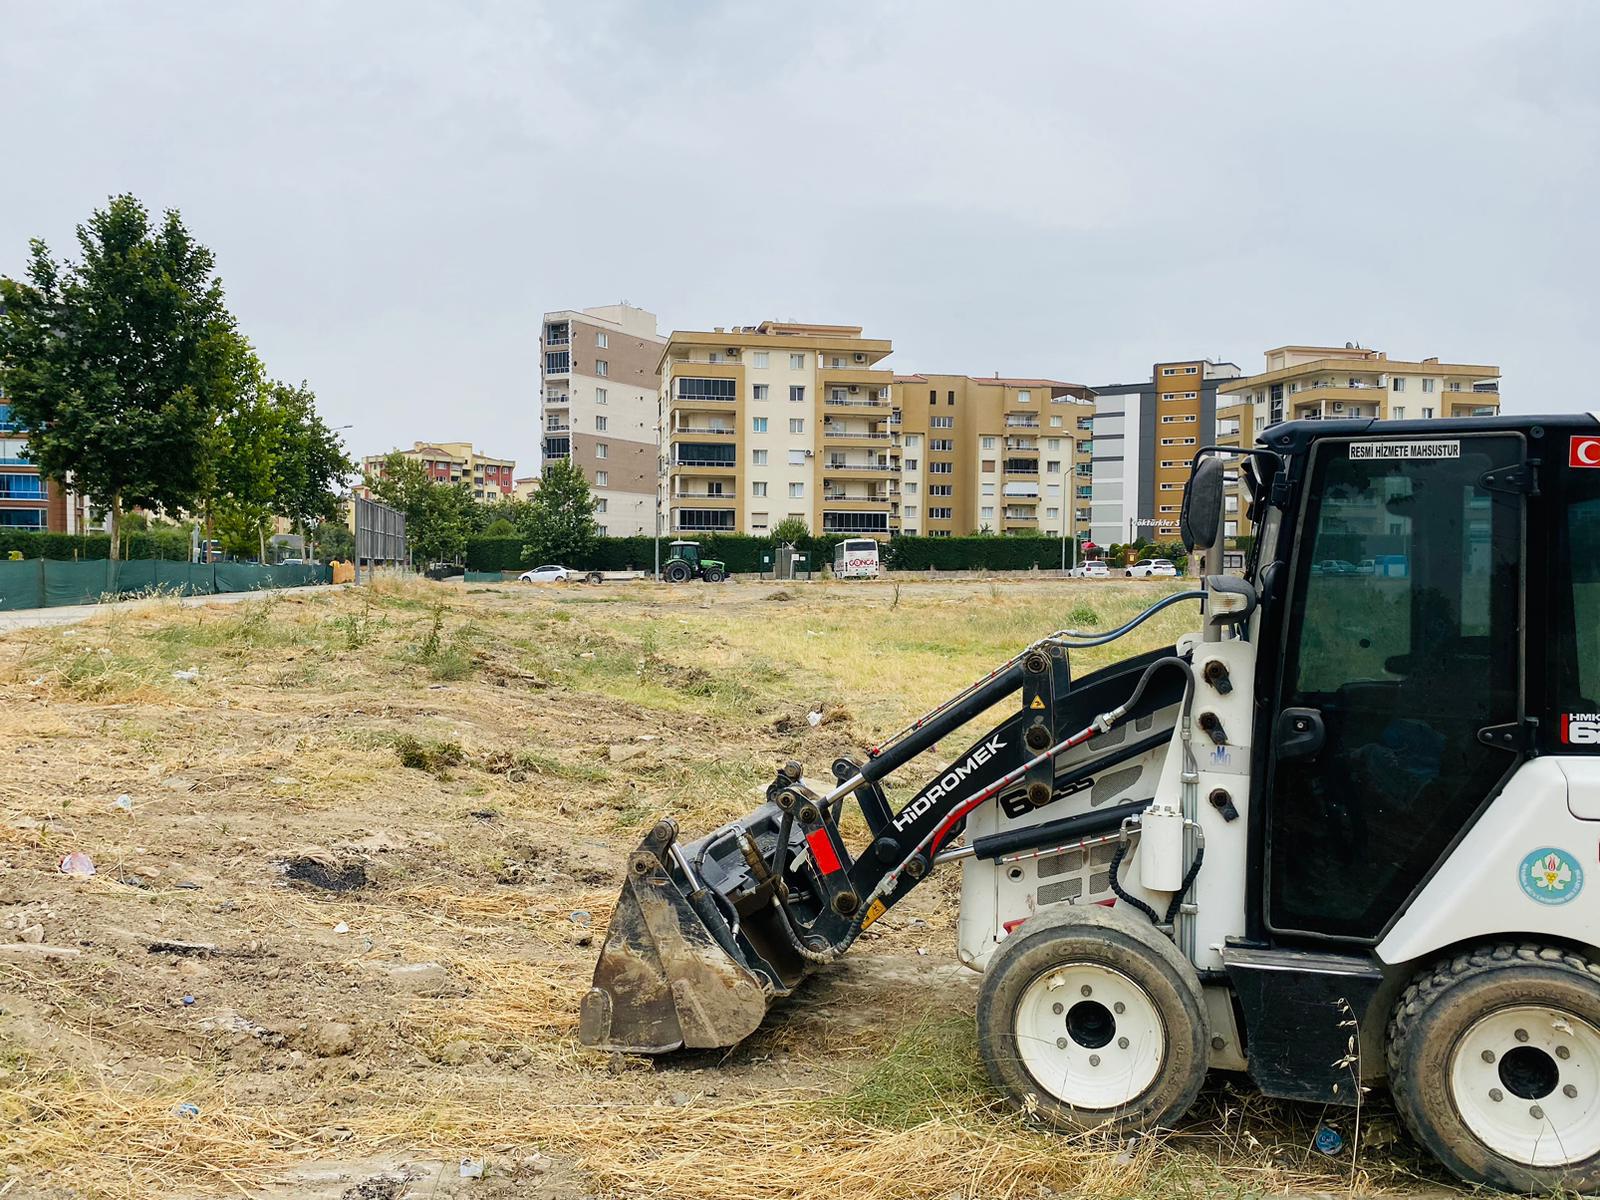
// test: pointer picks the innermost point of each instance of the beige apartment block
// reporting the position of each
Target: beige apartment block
(489, 478)
(764, 422)
(598, 386)
(997, 455)
(1349, 382)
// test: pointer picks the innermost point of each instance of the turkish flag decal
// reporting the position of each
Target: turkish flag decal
(1585, 452)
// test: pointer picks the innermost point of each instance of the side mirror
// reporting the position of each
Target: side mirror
(1202, 505)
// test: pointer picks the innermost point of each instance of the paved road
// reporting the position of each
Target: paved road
(71, 614)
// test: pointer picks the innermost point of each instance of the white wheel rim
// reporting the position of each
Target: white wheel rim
(1089, 1036)
(1526, 1081)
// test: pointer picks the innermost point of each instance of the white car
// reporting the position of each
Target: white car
(1146, 568)
(550, 574)
(1093, 569)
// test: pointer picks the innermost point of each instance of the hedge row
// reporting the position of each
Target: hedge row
(162, 543)
(743, 553)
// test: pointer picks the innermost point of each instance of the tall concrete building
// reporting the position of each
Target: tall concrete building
(598, 386)
(1345, 382)
(1001, 455)
(489, 479)
(1145, 435)
(782, 419)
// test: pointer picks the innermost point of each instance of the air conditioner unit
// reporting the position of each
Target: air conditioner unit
(854, 389)
(809, 453)
(1338, 406)
(861, 358)
(733, 352)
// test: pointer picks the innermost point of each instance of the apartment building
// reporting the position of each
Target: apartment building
(29, 502)
(997, 455)
(1145, 436)
(599, 381)
(1338, 382)
(490, 479)
(760, 423)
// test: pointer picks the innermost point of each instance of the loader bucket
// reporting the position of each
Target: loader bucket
(675, 970)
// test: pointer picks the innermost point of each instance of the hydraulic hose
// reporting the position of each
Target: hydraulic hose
(1126, 897)
(1099, 639)
(1188, 882)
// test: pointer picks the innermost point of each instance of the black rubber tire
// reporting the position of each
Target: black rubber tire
(1142, 954)
(594, 577)
(677, 572)
(714, 576)
(1441, 1005)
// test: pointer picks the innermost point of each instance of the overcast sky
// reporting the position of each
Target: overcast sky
(397, 191)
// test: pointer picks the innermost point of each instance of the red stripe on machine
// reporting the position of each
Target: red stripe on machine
(822, 851)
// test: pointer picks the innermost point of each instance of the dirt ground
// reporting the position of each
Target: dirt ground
(353, 855)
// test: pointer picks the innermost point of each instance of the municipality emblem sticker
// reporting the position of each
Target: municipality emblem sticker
(1550, 876)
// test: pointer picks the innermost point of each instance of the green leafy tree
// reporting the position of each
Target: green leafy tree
(311, 466)
(438, 515)
(559, 525)
(119, 363)
(334, 540)
(500, 528)
(242, 482)
(791, 531)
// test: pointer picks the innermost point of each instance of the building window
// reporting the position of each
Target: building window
(797, 362)
(911, 512)
(911, 489)
(1024, 397)
(601, 477)
(942, 422)
(941, 489)
(950, 398)
(601, 340)
(797, 393)
(1427, 385)
(1427, 413)
(987, 489)
(758, 424)
(601, 367)
(557, 362)
(796, 490)
(988, 464)
(600, 449)
(760, 358)
(759, 392)
(986, 443)
(758, 488)
(933, 396)
(705, 389)
(986, 513)
(1052, 466)
(836, 394)
(1398, 412)
(1398, 383)
(600, 505)
(911, 464)
(797, 458)
(945, 444)
(941, 468)
(599, 423)
(758, 521)
(797, 424)
(758, 458)
(939, 514)
(1169, 370)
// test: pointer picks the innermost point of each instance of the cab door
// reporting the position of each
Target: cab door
(1400, 685)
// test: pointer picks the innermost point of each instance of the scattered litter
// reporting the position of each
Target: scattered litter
(188, 676)
(188, 1001)
(814, 718)
(187, 1110)
(77, 864)
(1328, 1141)
(341, 927)
(123, 802)
(132, 881)
(29, 948)
(184, 949)
(483, 814)
(471, 1168)
(581, 918)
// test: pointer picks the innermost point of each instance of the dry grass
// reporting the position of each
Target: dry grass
(579, 715)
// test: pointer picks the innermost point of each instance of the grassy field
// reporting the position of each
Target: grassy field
(354, 853)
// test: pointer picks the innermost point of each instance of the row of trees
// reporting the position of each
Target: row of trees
(138, 389)
(556, 525)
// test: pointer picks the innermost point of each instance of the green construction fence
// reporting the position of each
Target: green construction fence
(50, 582)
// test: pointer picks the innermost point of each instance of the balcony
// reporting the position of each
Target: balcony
(1022, 445)
(704, 466)
(713, 430)
(859, 400)
(837, 467)
(833, 433)
(554, 428)
(1022, 422)
(1021, 466)
(705, 497)
(862, 376)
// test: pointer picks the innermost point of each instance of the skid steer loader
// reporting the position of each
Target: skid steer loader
(1339, 834)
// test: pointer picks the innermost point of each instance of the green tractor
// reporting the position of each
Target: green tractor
(686, 564)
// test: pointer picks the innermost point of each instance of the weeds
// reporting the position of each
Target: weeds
(435, 757)
(358, 627)
(1083, 615)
